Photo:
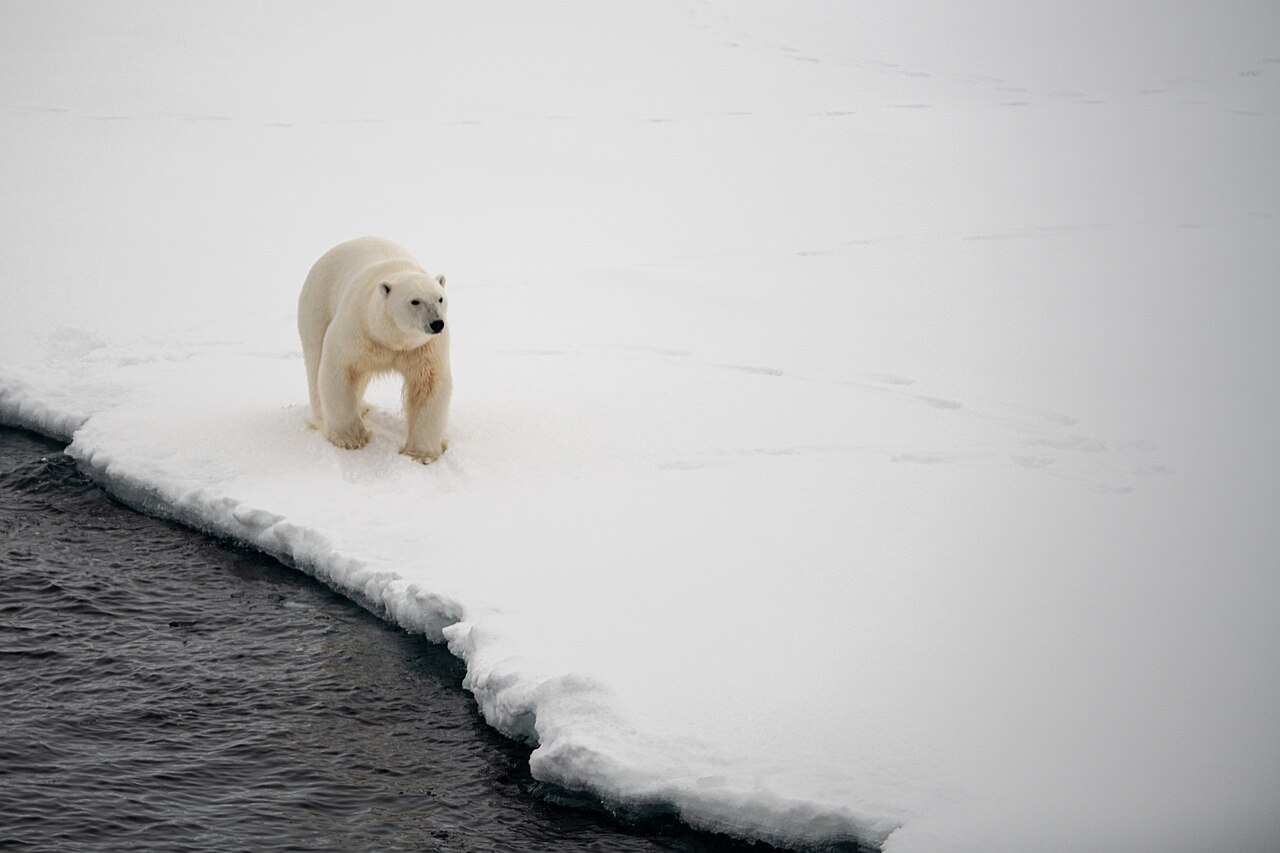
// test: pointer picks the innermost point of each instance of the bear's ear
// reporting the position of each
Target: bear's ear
(440, 279)
(386, 288)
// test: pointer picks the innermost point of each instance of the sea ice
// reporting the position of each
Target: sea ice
(864, 414)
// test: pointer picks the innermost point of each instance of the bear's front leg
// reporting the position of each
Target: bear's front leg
(426, 409)
(341, 387)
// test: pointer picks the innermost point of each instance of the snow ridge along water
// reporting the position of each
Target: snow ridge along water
(863, 415)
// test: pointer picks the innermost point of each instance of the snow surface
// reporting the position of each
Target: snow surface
(864, 423)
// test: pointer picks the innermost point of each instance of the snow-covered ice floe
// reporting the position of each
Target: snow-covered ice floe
(864, 413)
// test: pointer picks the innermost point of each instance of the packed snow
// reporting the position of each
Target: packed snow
(864, 413)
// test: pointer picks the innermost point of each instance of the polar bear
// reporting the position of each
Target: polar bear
(367, 307)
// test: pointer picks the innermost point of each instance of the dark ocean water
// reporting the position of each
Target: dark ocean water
(163, 690)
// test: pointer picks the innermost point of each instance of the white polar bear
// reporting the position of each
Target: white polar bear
(367, 307)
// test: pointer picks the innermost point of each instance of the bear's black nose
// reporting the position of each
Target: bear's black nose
(437, 326)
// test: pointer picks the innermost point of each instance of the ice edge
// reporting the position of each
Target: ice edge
(509, 701)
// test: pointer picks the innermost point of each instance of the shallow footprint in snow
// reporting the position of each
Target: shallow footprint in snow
(1109, 488)
(926, 458)
(751, 368)
(1151, 471)
(889, 379)
(1081, 443)
(681, 465)
(939, 403)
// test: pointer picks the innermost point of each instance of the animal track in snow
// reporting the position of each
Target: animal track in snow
(889, 379)
(925, 458)
(1080, 443)
(1109, 488)
(1151, 471)
(938, 402)
(751, 368)
(646, 348)
(1026, 439)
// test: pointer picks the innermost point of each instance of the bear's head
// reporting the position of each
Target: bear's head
(414, 305)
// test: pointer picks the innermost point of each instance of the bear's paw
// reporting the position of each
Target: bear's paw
(418, 454)
(353, 437)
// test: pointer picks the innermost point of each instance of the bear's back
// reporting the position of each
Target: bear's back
(346, 271)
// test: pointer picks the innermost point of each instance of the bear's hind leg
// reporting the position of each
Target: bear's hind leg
(311, 357)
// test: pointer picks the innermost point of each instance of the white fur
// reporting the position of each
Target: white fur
(357, 318)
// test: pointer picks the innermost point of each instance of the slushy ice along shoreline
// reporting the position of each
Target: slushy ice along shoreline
(209, 707)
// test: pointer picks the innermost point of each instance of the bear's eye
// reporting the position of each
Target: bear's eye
(415, 301)
(441, 299)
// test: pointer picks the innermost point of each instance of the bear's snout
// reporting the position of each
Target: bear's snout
(437, 326)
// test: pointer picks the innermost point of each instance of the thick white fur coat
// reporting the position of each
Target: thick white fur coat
(368, 307)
